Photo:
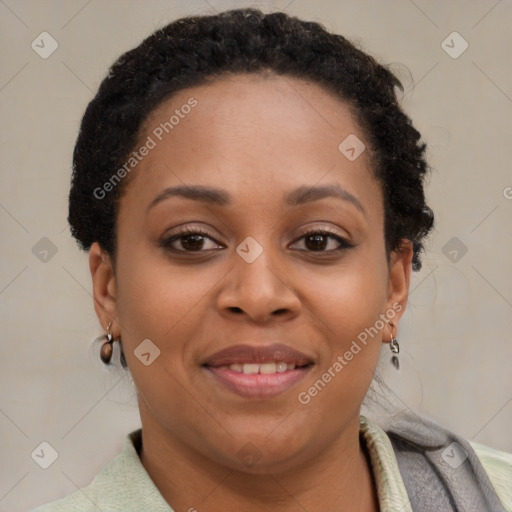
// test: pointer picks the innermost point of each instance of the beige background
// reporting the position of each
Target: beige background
(456, 336)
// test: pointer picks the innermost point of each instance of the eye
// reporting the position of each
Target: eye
(322, 240)
(191, 240)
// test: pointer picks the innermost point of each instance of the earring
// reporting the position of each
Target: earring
(106, 348)
(394, 347)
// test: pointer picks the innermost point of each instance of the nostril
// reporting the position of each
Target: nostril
(235, 309)
(281, 311)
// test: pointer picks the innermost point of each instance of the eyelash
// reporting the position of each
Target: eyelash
(166, 243)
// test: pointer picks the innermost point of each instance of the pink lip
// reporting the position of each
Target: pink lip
(257, 385)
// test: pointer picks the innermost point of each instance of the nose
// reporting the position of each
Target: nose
(261, 291)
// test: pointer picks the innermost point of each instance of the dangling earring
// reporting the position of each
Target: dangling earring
(107, 348)
(394, 347)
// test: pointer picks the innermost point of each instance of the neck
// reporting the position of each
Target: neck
(340, 478)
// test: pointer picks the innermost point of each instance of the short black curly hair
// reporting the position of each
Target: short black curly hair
(193, 50)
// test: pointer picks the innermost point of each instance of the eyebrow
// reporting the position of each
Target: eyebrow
(195, 192)
(306, 194)
(299, 196)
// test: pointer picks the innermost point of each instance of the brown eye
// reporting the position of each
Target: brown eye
(190, 240)
(322, 242)
(316, 242)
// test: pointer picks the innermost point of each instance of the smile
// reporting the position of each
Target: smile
(264, 368)
(258, 371)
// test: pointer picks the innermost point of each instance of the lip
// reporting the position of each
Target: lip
(257, 385)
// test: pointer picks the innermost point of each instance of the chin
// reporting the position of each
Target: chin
(260, 454)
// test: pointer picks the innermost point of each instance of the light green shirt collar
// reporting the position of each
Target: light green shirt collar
(124, 484)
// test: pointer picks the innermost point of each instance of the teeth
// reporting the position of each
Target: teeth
(268, 368)
(263, 368)
(250, 368)
(281, 367)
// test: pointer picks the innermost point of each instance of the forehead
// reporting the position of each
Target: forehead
(251, 132)
(262, 105)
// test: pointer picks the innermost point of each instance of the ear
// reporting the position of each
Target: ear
(104, 286)
(400, 267)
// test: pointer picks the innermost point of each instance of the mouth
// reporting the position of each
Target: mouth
(258, 371)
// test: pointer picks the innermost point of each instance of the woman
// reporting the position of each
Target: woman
(251, 197)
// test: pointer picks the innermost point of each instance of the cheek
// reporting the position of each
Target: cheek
(353, 330)
(351, 298)
(163, 305)
(155, 296)
(347, 307)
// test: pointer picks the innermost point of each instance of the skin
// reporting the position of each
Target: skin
(257, 138)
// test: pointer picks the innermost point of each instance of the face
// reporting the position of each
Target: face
(251, 254)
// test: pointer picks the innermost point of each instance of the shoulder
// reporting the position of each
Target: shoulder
(498, 466)
(107, 491)
(415, 437)
(78, 500)
(100, 494)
